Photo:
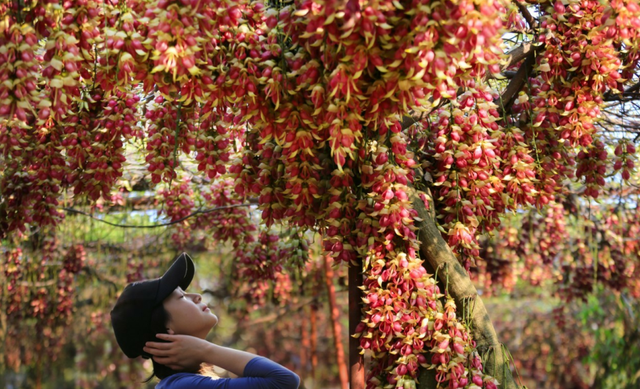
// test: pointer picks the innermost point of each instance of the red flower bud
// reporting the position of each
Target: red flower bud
(631, 148)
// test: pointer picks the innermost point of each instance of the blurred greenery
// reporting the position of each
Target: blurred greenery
(615, 356)
(593, 344)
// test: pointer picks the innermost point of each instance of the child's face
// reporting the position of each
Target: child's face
(189, 316)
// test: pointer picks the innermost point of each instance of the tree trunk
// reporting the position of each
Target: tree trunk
(437, 255)
(356, 361)
(39, 371)
(314, 344)
(304, 335)
(3, 336)
(39, 351)
(335, 324)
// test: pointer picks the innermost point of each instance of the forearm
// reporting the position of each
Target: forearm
(227, 358)
(184, 352)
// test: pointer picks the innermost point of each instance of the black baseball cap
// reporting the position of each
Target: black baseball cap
(131, 316)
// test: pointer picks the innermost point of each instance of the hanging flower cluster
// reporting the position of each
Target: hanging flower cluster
(467, 171)
(71, 50)
(608, 255)
(591, 164)
(13, 269)
(541, 242)
(498, 270)
(123, 48)
(226, 224)
(566, 248)
(259, 269)
(262, 259)
(165, 136)
(625, 159)
(95, 140)
(519, 171)
(74, 259)
(134, 270)
(178, 201)
(578, 66)
(39, 288)
(20, 66)
(625, 32)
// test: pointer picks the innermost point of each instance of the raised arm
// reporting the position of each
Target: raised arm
(184, 352)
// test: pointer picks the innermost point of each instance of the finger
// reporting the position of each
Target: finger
(162, 360)
(166, 336)
(165, 359)
(171, 332)
(157, 352)
(158, 345)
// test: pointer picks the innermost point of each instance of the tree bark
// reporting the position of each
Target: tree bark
(304, 358)
(314, 344)
(437, 255)
(509, 95)
(356, 361)
(335, 324)
(39, 370)
(518, 54)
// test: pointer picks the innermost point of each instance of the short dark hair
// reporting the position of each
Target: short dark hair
(159, 320)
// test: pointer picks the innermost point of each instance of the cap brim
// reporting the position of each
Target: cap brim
(179, 274)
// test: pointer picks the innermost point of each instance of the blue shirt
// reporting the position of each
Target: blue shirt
(259, 373)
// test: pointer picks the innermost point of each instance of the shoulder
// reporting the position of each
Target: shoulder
(187, 380)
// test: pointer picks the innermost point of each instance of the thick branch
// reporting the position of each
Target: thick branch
(634, 88)
(410, 120)
(518, 54)
(435, 251)
(533, 23)
(517, 82)
(335, 323)
(631, 92)
(509, 74)
(356, 360)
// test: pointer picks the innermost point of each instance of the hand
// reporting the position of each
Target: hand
(182, 352)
